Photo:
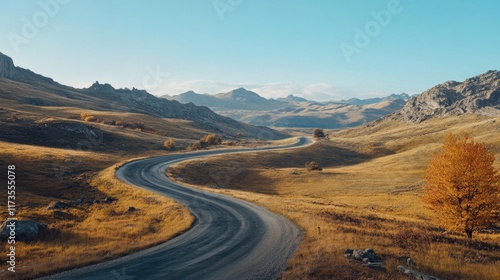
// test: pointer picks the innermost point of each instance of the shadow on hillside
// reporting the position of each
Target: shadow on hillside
(74, 136)
(325, 154)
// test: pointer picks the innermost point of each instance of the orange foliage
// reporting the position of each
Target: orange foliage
(462, 186)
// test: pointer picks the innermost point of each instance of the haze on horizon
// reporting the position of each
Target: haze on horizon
(326, 50)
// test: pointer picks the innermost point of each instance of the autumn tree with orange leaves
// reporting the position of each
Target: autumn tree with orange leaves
(462, 186)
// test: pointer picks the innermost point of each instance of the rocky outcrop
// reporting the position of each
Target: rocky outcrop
(7, 68)
(478, 95)
(367, 257)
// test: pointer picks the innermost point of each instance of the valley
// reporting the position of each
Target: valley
(294, 112)
(68, 144)
(366, 196)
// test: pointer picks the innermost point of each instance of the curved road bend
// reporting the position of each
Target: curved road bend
(230, 238)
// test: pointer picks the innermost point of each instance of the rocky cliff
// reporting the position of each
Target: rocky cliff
(478, 95)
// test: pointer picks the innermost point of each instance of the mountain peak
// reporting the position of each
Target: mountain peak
(293, 98)
(478, 95)
(7, 67)
(241, 94)
(101, 88)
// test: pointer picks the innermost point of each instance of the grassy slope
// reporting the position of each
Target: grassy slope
(367, 196)
(50, 159)
(86, 233)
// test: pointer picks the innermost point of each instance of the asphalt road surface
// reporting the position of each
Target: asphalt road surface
(230, 238)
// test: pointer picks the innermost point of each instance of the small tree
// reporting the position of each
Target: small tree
(169, 144)
(462, 187)
(318, 133)
(312, 165)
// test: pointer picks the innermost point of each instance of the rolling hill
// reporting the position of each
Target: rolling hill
(368, 194)
(23, 92)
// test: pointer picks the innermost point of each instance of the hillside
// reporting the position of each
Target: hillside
(368, 193)
(477, 95)
(66, 144)
(293, 111)
(26, 92)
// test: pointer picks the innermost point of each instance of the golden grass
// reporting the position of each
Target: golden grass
(88, 233)
(368, 196)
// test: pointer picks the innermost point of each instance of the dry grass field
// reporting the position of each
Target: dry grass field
(60, 157)
(83, 233)
(367, 196)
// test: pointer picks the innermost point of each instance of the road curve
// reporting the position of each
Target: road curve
(230, 238)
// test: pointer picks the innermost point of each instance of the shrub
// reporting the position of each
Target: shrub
(87, 117)
(318, 133)
(312, 165)
(198, 145)
(169, 144)
(211, 139)
(204, 142)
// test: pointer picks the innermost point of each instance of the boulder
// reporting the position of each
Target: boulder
(366, 257)
(131, 209)
(25, 230)
(109, 199)
(78, 201)
(57, 205)
(415, 274)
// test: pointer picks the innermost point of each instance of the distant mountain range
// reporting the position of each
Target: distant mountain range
(293, 111)
(20, 86)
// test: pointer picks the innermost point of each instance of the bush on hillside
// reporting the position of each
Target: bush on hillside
(312, 165)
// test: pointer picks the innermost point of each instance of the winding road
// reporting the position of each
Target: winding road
(229, 239)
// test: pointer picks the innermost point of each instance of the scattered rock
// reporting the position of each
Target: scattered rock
(57, 205)
(109, 199)
(410, 262)
(78, 201)
(25, 230)
(131, 209)
(415, 274)
(367, 257)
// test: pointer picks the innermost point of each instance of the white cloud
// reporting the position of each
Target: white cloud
(323, 92)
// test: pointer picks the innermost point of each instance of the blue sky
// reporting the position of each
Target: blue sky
(275, 48)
